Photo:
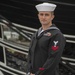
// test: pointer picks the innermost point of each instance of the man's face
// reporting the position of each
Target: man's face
(45, 17)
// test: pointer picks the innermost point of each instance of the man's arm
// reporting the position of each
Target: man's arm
(29, 59)
(56, 48)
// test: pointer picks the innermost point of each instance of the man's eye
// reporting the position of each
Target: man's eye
(46, 14)
(41, 14)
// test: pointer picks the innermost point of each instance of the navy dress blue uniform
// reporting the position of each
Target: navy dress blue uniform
(45, 51)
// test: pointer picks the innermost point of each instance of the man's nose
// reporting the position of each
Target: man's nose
(43, 16)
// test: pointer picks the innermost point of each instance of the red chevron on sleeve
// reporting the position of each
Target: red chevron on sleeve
(55, 48)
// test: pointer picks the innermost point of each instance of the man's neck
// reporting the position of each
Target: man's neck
(45, 27)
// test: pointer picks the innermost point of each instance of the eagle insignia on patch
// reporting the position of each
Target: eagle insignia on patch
(47, 34)
(55, 47)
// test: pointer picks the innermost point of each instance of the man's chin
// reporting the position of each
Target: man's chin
(44, 23)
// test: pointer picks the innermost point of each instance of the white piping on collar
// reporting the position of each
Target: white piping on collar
(40, 30)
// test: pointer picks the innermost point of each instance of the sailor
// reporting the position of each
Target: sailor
(47, 44)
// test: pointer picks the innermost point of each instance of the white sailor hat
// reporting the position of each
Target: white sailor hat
(45, 7)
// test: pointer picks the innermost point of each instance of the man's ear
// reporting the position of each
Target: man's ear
(52, 17)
